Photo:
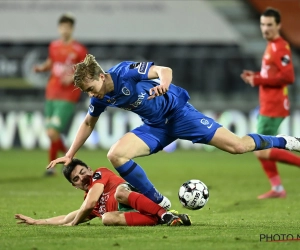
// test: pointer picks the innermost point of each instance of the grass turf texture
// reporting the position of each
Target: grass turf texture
(232, 219)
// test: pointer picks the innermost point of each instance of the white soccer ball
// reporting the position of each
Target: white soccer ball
(193, 194)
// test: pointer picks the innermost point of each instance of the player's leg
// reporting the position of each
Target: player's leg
(139, 202)
(142, 141)
(268, 158)
(58, 115)
(190, 124)
(52, 133)
(231, 143)
(269, 126)
(128, 219)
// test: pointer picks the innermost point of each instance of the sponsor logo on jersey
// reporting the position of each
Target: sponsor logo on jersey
(91, 108)
(142, 68)
(134, 65)
(125, 91)
(139, 100)
(97, 176)
(285, 60)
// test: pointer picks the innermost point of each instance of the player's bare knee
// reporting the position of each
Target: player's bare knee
(264, 154)
(111, 219)
(53, 134)
(121, 194)
(238, 148)
(108, 219)
(114, 156)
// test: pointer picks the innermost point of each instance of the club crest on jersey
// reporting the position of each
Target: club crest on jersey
(97, 176)
(91, 108)
(204, 121)
(125, 91)
(285, 60)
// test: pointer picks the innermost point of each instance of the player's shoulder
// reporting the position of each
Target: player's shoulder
(78, 45)
(120, 67)
(103, 170)
(55, 43)
(98, 102)
(282, 44)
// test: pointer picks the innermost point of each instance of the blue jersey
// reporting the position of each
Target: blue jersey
(131, 90)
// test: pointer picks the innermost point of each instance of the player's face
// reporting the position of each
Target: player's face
(65, 30)
(81, 177)
(96, 88)
(269, 27)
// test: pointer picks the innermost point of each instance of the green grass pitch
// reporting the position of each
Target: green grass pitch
(232, 219)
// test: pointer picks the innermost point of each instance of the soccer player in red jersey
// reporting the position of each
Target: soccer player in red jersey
(109, 197)
(61, 94)
(276, 74)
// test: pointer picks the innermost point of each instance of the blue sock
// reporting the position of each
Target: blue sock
(267, 141)
(136, 176)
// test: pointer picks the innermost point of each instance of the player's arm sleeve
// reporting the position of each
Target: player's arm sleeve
(284, 76)
(94, 194)
(138, 70)
(95, 109)
(89, 203)
(50, 52)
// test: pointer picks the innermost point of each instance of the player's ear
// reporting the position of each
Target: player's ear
(101, 76)
(279, 26)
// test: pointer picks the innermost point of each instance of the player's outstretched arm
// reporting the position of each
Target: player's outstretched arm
(58, 220)
(83, 133)
(88, 204)
(44, 66)
(165, 76)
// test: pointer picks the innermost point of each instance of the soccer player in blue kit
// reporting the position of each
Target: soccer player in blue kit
(146, 89)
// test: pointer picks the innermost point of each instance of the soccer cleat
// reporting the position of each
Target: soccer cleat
(292, 143)
(272, 194)
(165, 203)
(171, 219)
(185, 218)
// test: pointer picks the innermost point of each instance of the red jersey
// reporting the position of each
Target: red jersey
(107, 201)
(63, 57)
(276, 73)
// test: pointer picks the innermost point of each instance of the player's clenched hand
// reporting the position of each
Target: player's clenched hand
(65, 160)
(37, 68)
(157, 91)
(22, 219)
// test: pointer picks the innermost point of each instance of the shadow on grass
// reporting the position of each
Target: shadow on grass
(241, 205)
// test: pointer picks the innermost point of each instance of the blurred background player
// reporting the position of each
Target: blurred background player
(107, 196)
(276, 74)
(61, 95)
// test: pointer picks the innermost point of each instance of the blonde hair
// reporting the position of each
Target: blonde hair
(86, 71)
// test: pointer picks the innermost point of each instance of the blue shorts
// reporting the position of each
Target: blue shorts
(187, 124)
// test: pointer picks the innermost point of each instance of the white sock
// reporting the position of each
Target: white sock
(278, 188)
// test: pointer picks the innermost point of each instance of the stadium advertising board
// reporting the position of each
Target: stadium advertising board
(26, 130)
